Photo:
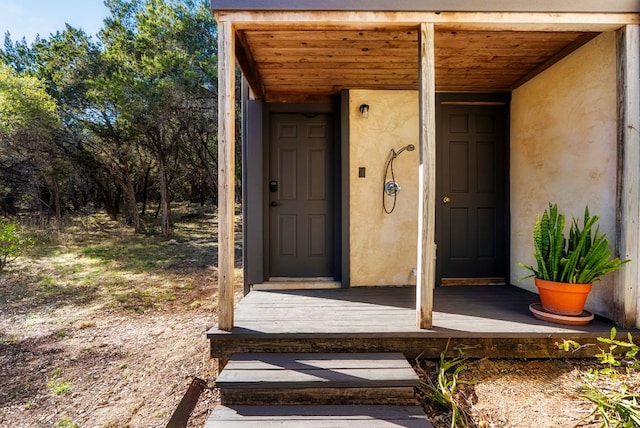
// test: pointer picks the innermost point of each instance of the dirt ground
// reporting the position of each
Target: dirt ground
(526, 393)
(124, 371)
(84, 355)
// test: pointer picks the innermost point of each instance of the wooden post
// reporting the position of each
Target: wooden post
(226, 173)
(426, 180)
(626, 289)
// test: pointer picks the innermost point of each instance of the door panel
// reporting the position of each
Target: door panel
(471, 191)
(301, 223)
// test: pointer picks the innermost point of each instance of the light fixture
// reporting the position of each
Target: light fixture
(364, 110)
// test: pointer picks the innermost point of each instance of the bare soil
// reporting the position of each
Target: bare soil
(95, 334)
(526, 393)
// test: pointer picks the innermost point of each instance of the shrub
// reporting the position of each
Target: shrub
(12, 243)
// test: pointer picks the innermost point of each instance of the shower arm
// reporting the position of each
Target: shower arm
(408, 147)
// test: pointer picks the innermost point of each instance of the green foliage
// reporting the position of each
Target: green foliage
(583, 258)
(616, 404)
(126, 119)
(442, 390)
(66, 422)
(25, 106)
(56, 385)
(12, 243)
(59, 387)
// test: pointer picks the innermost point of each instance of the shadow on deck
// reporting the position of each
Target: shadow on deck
(486, 321)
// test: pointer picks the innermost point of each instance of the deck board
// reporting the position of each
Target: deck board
(309, 370)
(494, 320)
(318, 416)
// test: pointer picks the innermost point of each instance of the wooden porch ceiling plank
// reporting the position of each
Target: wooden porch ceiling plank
(299, 97)
(342, 57)
(226, 174)
(324, 37)
(313, 35)
(487, 21)
(345, 81)
(287, 44)
(331, 64)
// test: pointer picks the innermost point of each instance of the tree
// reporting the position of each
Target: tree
(167, 52)
(27, 130)
(138, 104)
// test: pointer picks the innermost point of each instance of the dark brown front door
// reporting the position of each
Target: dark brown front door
(471, 191)
(301, 196)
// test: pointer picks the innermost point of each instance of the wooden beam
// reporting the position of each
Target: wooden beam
(550, 6)
(426, 180)
(226, 173)
(485, 21)
(248, 65)
(627, 284)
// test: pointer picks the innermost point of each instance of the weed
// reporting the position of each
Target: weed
(442, 389)
(59, 387)
(61, 334)
(66, 422)
(47, 281)
(56, 385)
(616, 403)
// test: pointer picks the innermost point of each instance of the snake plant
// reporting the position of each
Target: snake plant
(582, 259)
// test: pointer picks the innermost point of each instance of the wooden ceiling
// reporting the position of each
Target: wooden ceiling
(299, 65)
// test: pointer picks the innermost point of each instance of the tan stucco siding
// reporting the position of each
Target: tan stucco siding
(563, 150)
(382, 246)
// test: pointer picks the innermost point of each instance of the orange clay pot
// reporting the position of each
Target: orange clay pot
(562, 298)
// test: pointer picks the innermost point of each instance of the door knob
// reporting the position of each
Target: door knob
(274, 204)
(446, 199)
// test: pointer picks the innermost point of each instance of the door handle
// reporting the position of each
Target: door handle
(446, 200)
(274, 204)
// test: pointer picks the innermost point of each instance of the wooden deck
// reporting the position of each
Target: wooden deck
(486, 321)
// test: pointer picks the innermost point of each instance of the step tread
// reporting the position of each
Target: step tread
(294, 371)
(370, 416)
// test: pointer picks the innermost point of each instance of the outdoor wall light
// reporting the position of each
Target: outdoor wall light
(364, 110)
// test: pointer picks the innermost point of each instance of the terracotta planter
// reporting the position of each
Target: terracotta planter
(562, 298)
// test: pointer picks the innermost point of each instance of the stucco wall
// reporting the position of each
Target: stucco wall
(383, 246)
(563, 150)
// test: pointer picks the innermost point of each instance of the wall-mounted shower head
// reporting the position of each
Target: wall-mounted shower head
(408, 147)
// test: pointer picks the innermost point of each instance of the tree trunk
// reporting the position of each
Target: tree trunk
(145, 189)
(55, 202)
(165, 202)
(131, 203)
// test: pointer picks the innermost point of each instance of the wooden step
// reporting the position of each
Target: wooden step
(318, 416)
(315, 378)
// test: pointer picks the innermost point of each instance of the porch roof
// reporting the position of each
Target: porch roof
(292, 55)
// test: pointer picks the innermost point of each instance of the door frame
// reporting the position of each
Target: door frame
(481, 99)
(333, 111)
